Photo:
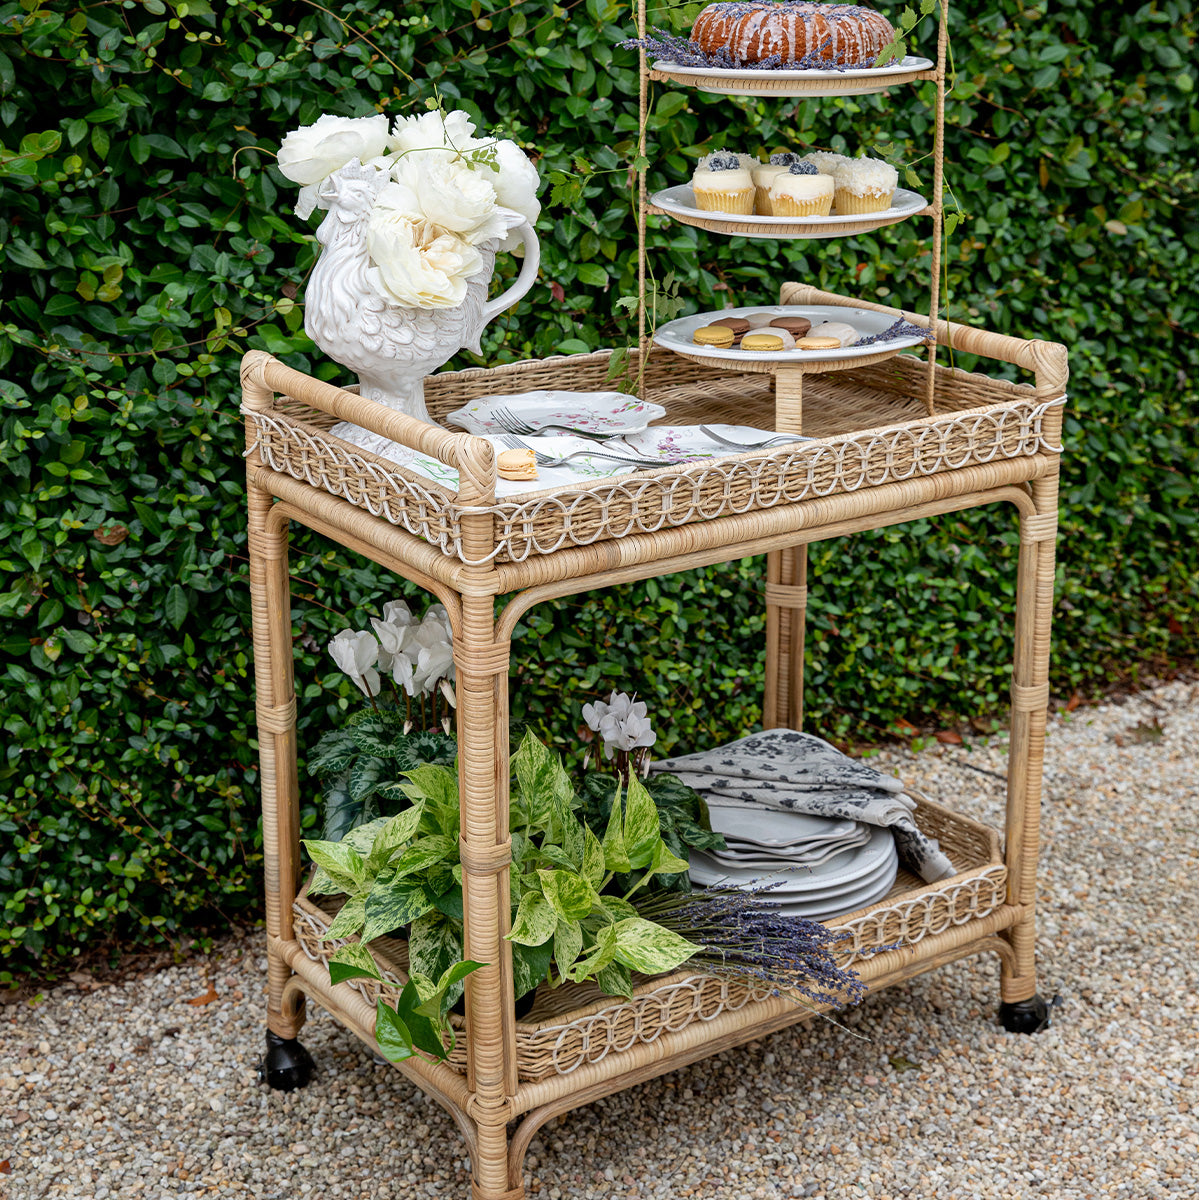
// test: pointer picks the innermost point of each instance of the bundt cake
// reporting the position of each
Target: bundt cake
(792, 32)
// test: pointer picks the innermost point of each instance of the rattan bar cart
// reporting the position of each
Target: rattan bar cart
(878, 458)
(894, 438)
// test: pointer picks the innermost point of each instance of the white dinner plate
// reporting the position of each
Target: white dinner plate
(767, 827)
(766, 81)
(674, 442)
(841, 870)
(826, 908)
(808, 856)
(595, 412)
(680, 202)
(677, 335)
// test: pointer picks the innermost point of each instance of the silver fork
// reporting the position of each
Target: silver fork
(781, 439)
(511, 423)
(545, 460)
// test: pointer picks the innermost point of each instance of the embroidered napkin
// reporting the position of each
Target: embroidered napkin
(783, 769)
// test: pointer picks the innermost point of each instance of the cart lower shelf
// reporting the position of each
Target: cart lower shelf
(575, 1026)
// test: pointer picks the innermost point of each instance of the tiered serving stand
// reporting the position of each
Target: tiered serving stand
(895, 438)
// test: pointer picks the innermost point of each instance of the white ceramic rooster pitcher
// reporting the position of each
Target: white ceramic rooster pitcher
(391, 348)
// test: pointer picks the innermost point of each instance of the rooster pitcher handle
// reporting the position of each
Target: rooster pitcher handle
(524, 281)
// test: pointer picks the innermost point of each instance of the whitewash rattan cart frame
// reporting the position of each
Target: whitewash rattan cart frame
(877, 459)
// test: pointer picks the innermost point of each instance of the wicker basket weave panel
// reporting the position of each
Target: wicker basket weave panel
(869, 424)
(576, 1024)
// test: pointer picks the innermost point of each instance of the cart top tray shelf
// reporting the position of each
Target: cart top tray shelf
(869, 426)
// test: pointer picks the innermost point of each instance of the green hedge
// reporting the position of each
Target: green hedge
(146, 241)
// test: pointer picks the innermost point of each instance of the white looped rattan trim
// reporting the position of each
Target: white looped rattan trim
(649, 503)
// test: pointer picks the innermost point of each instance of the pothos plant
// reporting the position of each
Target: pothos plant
(404, 870)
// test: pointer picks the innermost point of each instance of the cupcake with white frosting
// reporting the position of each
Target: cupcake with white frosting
(765, 174)
(801, 191)
(864, 185)
(826, 161)
(723, 184)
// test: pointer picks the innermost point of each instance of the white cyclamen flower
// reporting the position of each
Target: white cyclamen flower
(392, 630)
(313, 152)
(416, 266)
(622, 723)
(356, 652)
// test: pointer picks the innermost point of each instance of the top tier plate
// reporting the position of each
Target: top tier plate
(856, 81)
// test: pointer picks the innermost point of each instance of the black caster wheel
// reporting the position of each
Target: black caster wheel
(286, 1065)
(1028, 1016)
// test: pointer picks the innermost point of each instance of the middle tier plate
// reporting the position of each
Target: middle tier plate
(680, 202)
(677, 336)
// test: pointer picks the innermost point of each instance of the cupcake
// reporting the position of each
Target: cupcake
(826, 161)
(722, 184)
(764, 174)
(864, 185)
(802, 191)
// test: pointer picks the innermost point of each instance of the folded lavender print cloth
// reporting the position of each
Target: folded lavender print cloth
(784, 770)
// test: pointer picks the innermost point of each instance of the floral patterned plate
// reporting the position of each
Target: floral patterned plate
(594, 412)
(674, 442)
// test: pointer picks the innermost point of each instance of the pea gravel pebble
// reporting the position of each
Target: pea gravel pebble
(129, 1091)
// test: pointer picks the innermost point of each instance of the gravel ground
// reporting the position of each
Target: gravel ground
(134, 1091)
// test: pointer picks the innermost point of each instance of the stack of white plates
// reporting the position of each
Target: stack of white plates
(818, 867)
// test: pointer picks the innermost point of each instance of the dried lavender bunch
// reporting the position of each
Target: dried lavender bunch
(745, 938)
(900, 328)
(685, 53)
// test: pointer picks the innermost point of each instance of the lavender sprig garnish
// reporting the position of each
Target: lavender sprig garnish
(683, 52)
(746, 939)
(898, 329)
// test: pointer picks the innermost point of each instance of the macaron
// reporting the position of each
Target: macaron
(713, 335)
(762, 341)
(818, 343)
(846, 334)
(739, 325)
(796, 326)
(516, 464)
(759, 320)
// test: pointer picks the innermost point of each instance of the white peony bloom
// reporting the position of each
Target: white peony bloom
(313, 152)
(516, 185)
(429, 132)
(415, 265)
(451, 195)
(356, 653)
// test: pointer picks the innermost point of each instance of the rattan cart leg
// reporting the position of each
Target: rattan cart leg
(485, 850)
(287, 1064)
(787, 603)
(1021, 1009)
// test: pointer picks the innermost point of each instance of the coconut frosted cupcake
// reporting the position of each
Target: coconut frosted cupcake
(722, 184)
(826, 161)
(864, 185)
(765, 174)
(802, 191)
